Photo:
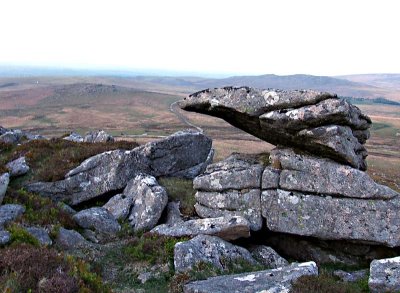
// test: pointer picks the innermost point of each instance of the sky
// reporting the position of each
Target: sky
(209, 36)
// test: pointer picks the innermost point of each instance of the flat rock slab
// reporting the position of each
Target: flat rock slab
(227, 228)
(98, 219)
(309, 174)
(208, 249)
(385, 275)
(371, 221)
(310, 120)
(111, 171)
(10, 212)
(274, 280)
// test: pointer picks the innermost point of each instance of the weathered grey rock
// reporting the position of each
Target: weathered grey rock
(4, 181)
(384, 275)
(231, 173)
(98, 136)
(119, 206)
(10, 212)
(174, 215)
(98, 219)
(309, 174)
(5, 237)
(70, 240)
(196, 170)
(15, 136)
(111, 171)
(18, 167)
(270, 178)
(75, 137)
(268, 257)
(245, 203)
(150, 199)
(208, 249)
(40, 234)
(66, 208)
(274, 280)
(351, 276)
(315, 121)
(371, 221)
(227, 228)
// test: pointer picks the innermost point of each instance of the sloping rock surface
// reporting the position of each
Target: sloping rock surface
(315, 121)
(208, 249)
(112, 170)
(274, 280)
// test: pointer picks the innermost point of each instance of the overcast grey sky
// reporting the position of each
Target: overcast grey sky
(212, 36)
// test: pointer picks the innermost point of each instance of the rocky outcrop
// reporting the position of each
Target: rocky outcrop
(98, 136)
(111, 171)
(314, 121)
(4, 181)
(97, 219)
(18, 167)
(149, 201)
(227, 228)
(274, 280)
(230, 188)
(385, 275)
(15, 136)
(209, 250)
(75, 137)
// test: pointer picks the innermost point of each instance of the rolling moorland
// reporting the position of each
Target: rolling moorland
(142, 108)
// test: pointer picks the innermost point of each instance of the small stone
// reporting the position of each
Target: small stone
(98, 219)
(5, 237)
(70, 239)
(10, 212)
(41, 235)
(18, 167)
(351, 276)
(268, 257)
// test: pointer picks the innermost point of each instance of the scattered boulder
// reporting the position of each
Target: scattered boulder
(16, 136)
(18, 167)
(5, 237)
(268, 257)
(98, 219)
(10, 212)
(41, 235)
(150, 199)
(75, 137)
(70, 240)
(230, 188)
(227, 228)
(385, 275)
(98, 136)
(111, 171)
(208, 249)
(4, 181)
(273, 280)
(351, 276)
(119, 206)
(314, 121)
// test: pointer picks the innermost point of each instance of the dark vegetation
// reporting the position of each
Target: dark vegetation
(379, 100)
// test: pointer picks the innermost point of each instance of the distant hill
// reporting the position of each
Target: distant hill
(377, 80)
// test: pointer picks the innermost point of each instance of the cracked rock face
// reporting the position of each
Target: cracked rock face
(208, 249)
(274, 280)
(317, 122)
(230, 188)
(111, 171)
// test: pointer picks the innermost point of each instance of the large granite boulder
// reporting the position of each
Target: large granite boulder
(149, 201)
(18, 167)
(211, 250)
(4, 181)
(314, 121)
(174, 155)
(227, 228)
(230, 188)
(273, 280)
(385, 275)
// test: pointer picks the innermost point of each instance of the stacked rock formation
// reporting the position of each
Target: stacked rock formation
(316, 184)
